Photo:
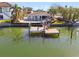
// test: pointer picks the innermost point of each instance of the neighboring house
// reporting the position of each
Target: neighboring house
(5, 10)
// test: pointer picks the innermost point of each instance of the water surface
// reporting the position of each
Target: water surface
(17, 42)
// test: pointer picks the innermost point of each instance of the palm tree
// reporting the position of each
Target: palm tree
(15, 13)
(68, 13)
(27, 10)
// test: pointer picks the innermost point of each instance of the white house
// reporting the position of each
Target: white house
(5, 10)
(38, 17)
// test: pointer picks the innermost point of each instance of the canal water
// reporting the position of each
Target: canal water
(17, 42)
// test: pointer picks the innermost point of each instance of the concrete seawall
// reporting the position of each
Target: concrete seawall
(27, 25)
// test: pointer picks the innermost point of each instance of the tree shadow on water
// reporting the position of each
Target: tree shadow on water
(17, 39)
(72, 35)
(16, 35)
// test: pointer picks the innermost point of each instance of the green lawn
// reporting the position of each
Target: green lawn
(5, 21)
(58, 23)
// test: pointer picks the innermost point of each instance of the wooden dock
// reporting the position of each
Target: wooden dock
(36, 29)
(50, 31)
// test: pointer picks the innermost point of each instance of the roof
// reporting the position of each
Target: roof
(39, 13)
(5, 4)
(57, 16)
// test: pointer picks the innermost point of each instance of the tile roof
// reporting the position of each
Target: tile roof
(4, 4)
(40, 13)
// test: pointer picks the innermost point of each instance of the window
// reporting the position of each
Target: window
(0, 10)
(43, 17)
(6, 9)
(36, 18)
(1, 17)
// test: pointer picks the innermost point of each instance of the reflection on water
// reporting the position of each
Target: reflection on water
(17, 42)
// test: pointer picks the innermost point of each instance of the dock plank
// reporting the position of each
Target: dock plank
(52, 31)
(36, 29)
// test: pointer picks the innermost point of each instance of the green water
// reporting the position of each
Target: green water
(17, 42)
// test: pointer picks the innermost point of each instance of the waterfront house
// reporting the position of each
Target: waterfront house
(38, 17)
(5, 10)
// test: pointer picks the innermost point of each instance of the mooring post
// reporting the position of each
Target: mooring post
(37, 28)
(43, 30)
(59, 33)
(29, 28)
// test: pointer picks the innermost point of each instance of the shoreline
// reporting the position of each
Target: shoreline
(27, 25)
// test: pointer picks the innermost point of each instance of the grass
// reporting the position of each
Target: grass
(58, 22)
(5, 21)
